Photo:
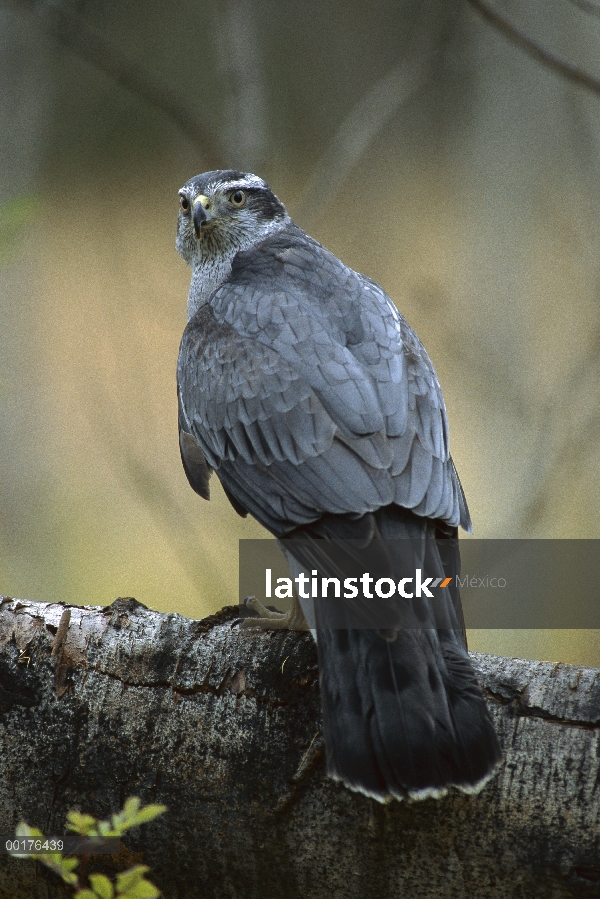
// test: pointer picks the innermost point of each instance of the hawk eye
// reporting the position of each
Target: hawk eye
(238, 198)
(184, 203)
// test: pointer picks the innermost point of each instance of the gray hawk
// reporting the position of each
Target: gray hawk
(316, 404)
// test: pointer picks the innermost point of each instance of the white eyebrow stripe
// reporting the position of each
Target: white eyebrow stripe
(254, 181)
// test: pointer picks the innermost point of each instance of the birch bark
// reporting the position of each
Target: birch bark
(222, 726)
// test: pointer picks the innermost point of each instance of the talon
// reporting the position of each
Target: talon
(268, 620)
(252, 603)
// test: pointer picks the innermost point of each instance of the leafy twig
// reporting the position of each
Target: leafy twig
(130, 884)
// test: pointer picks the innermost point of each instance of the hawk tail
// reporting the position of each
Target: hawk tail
(403, 714)
(403, 718)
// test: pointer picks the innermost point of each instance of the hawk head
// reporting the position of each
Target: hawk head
(223, 212)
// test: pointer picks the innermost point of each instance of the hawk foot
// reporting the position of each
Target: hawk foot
(293, 620)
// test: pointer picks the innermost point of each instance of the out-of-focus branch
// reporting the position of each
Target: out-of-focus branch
(357, 132)
(244, 124)
(370, 114)
(564, 444)
(72, 32)
(523, 40)
(587, 6)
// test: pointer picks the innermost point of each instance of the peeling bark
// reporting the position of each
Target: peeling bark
(223, 727)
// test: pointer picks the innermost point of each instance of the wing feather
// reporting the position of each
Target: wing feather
(308, 392)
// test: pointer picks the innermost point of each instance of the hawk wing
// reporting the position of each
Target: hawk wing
(308, 393)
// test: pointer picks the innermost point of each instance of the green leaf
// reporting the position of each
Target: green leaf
(143, 890)
(85, 894)
(147, 813)
(131, 805)
(133, 814)
(24, 830)
(102, 886)
(121, 821)
(69, 864)
(129, 878)
(82, 824)
(62, 866)
(52, 858)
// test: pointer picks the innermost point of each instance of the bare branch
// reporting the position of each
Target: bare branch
(521, 39)
(244, 126)
(371, 113)
(200, 717)
(69, 29)
(587, 6)
(560, 453)
(357, 132)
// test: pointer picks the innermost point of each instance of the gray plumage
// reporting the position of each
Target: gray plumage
(316, 404)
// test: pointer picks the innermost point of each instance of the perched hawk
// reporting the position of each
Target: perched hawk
(316, 404)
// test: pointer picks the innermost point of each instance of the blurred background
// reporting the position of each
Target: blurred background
(413, 139)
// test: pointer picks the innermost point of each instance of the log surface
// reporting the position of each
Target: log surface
(222, 725)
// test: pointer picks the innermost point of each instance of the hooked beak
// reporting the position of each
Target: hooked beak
(201, 214)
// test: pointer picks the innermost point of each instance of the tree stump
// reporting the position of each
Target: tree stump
(222, 725)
